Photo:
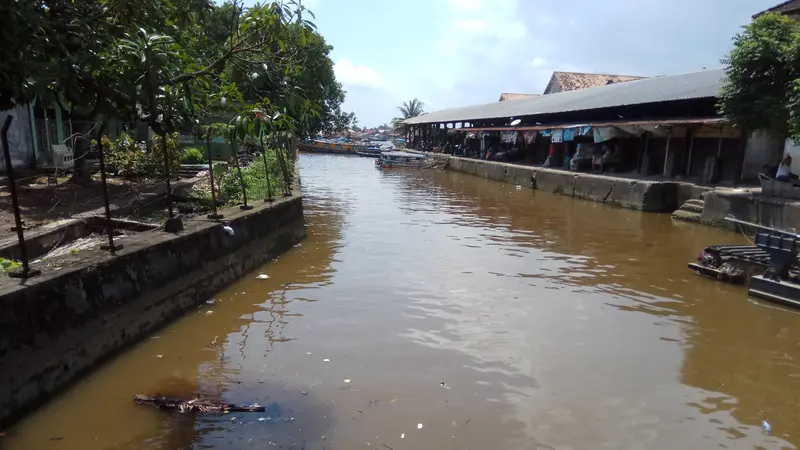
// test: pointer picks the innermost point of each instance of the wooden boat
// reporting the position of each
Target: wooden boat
(370, 152)
(339, 148)
(402, 159)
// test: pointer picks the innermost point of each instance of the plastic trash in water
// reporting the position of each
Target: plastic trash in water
(263, 276)
(766, 426)
(419, 426)
(347, 380)
(402, 436)
(228, 230)
(326, 360)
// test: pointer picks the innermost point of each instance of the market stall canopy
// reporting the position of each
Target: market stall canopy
(703, 84)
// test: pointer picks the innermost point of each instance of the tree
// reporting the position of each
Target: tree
(763, 77)
(150, 62)
(409, 109)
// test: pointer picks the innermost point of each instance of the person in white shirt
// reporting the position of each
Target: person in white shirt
(784, 172)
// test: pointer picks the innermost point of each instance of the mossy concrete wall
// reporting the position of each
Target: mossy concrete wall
(651, 196)
(59, 325)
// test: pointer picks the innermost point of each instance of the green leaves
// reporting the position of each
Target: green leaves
(762, 91)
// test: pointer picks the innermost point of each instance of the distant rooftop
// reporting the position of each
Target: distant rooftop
(506, 96)
(572, 81)
(787, 7)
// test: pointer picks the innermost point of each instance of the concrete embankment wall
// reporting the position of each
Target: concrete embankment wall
(64, 322)
(651, 196)
(750, 207)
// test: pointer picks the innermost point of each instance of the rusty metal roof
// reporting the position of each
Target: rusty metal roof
(572, 81)
(506, 96)
(703, 84)
(785, 7)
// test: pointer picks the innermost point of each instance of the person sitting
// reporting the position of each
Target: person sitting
(784, 172)
(769, 171)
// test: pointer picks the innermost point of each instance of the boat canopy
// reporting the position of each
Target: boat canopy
(404, 155)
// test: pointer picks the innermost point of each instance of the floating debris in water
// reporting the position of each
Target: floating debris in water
(326, 360)
(228, 230)
(298, 245)
(209, 312)
(233, 418)
(308, 353)
(347, 380)
(159, 356)
(419, 426)
(211, 301)
(444, 385)
(263, 276)
(304, 392)
(766, 426)
(261, 419)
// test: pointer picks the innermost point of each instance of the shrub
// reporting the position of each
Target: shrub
(230, 187)
(132, 159)
(193, 155)
(7, 265)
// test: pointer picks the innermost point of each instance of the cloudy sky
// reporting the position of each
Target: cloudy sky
(459, 52)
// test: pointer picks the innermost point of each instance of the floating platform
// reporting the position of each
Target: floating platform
(783, 292)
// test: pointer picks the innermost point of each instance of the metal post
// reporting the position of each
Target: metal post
(109, 226)
(26, 272)
(173, 224)
(266, 169)
(214, 214)
(245, 206)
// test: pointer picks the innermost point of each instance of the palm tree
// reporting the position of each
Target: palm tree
(409, 109)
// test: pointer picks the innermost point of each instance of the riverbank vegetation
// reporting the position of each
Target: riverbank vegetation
(762, 91)
(409, 109)
(184, 66)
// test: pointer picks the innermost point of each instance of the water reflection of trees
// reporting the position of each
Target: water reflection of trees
(253, 308)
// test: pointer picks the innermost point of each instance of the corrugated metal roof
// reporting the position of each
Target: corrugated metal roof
(703, 84)
(788, 6)
(619, 123)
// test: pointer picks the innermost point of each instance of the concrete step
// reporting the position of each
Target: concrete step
(686, 216)
(695, 201)
(692, 207)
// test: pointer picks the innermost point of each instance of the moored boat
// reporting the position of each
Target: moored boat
(372, 151)
(402, 159)
(340, 148)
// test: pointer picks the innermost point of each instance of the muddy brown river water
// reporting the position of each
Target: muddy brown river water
(435, 310)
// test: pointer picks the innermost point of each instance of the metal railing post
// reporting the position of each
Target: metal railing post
(214, 214)
(26, 271)
(109, 225)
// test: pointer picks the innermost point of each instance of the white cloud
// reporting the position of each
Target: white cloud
(471, 25)
(514, 31)
(538, 62)
(356, 75)
(467, 5)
